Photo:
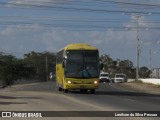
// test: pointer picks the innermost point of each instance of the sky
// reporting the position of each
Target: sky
(113, 26)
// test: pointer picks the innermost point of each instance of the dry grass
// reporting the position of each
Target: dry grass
(139, 86)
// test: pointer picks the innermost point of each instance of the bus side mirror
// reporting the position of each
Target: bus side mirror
(64, 63)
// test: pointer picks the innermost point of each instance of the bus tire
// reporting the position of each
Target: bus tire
(66, 90)
(92, 91)
(59, 89)
(83, 90)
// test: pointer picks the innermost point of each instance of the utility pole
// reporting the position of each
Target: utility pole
(46, 67)
(137, 49)
(150, 62)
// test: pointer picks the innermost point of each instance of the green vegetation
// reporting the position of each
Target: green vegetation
(41, 63)
(32, 66)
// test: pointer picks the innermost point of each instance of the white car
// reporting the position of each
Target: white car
(120, 78)
(104, 77)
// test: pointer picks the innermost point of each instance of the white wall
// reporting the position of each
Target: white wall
(151, 80)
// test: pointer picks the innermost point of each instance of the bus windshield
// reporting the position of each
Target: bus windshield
(82, 64)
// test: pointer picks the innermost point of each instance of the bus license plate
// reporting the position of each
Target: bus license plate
(82, 86)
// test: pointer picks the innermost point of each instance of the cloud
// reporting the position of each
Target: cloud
(36, 2)
(28, 38)
(30, 1)
(19, 38)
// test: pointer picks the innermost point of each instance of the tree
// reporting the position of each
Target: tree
(7, 69)
(42, 63)
(32, 66)
(22, 70)
(107, 61)
(118, 66)
(144, 72)
(126, 67)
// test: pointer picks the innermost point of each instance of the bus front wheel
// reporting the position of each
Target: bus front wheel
(59, 89)
(83, 90)
(92, 91)
(66, 90)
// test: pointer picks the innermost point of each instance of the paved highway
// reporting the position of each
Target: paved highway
(109, 97)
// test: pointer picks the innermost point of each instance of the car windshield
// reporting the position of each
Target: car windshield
(82, 64)
(120, 76)
(104, 75)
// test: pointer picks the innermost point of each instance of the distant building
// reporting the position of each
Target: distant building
(156, 73)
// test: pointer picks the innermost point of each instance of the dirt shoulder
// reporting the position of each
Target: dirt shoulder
(141, 87)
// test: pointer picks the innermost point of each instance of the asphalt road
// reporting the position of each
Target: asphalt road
(109, 97)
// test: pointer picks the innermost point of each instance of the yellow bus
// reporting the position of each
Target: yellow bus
(78, 68)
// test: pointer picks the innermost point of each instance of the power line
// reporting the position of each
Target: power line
(74, 9)
(76, 23)
(88, 2)
(20, 19)
(128, 3)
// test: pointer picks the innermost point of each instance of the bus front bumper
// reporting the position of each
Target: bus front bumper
(81, 86)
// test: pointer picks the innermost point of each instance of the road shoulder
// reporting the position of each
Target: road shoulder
(141, 87)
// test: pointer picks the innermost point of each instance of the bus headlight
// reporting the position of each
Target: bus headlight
(95, 82)
(69, 82)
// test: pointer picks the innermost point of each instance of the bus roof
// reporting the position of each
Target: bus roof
(79, 46)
